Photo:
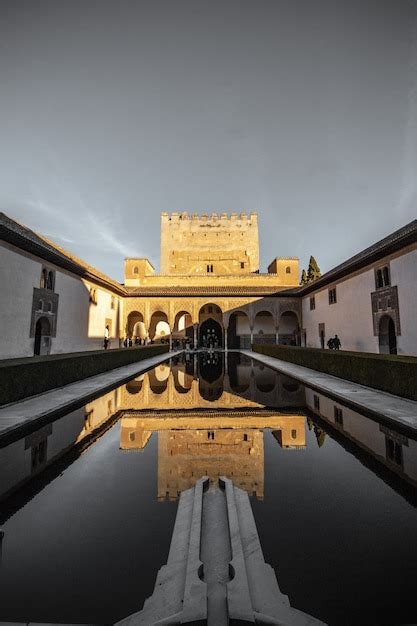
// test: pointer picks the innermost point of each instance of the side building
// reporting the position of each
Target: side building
(370, 300)
(51, 301)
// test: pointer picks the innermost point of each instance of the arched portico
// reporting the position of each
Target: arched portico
(289, 329)
(264, 327)
(135, 327)
(238, 332)
(183, 327)
(159, 330)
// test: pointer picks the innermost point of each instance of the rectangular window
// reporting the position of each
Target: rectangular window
(332, 295)
(338, 415)
(312, 303)
(386, 276)
(242, 266)
(382, 277)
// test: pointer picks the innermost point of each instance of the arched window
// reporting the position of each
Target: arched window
(288, 269)
(44, 279)
(136, 270)
(40, 305)
(50, 281)
(50, 307)
(113, 302)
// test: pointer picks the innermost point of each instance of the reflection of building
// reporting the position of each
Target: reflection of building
(209, 292)
(226, 443)
(387, 445)
(26, 457)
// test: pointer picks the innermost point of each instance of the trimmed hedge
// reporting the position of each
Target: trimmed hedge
(24, 377)
(388, 372)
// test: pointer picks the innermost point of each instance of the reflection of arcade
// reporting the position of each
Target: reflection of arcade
(208, 381)
(196, 443)
(211, 375)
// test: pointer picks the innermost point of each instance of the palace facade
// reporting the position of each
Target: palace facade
(210, 292)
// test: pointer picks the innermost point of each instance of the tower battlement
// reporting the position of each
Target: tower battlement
(218, 243)
(217, 218)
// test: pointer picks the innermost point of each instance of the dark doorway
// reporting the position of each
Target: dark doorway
(42, 336)
(387, 336)
(210, 334)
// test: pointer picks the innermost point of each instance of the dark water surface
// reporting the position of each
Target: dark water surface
(333, 493)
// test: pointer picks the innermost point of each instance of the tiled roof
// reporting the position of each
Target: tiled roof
(392, 243)
(26, 239)
(209, 290)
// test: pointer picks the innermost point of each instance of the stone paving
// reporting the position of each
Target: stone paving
(393, 409)
(16, 417)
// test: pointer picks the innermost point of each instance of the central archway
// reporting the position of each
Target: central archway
(210, 333)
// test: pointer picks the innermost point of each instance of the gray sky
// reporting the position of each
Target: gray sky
(304, 110)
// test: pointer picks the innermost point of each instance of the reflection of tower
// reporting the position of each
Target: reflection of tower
(186, 455)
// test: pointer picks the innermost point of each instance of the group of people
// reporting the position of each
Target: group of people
(334, 343)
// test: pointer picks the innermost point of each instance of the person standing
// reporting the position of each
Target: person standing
(336, 343)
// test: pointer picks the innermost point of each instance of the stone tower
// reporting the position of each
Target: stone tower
(209, 245)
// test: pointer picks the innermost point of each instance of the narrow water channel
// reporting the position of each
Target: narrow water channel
(89, 501)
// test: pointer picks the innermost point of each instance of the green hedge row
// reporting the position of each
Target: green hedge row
(391, 373)
(24, 377)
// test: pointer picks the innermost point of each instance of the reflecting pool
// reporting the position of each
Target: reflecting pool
(89, 500)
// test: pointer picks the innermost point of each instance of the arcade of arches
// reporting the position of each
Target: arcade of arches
(215, 323)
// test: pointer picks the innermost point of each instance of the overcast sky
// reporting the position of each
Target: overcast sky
(303, 110)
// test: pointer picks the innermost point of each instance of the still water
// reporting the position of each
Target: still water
(89, 501)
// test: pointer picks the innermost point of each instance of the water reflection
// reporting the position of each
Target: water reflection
(295, 450)
(210, 416)
(228, 443)
(393, 449)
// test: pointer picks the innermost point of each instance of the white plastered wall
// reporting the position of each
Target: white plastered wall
(403, 274)
(350, 317)
(19, 274)
(80, 323)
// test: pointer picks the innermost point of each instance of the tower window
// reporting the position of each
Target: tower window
(312, 303)
(288, 270)
(242, 266)
(136, 270)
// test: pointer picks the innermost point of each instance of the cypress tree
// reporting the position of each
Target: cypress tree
(303, 278)
(313, 270)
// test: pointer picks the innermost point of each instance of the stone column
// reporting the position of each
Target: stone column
(276, 336)
(251, 335)
(195, 327)
(226, 330)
